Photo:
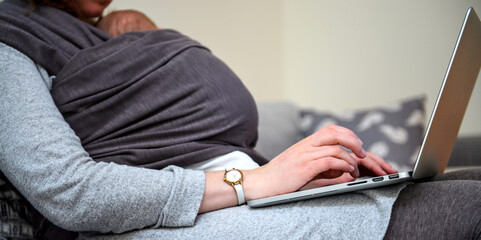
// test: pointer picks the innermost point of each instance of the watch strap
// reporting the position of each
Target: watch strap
(240, 193)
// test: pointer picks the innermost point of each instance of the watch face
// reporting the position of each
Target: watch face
(233, 176)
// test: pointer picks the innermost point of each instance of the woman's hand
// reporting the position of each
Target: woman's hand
(315, 161)
(371, 165)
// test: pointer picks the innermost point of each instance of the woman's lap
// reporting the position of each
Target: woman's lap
(446, 207)
(465, 174)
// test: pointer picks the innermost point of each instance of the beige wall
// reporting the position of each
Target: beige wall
(327, 54)
(362, 53)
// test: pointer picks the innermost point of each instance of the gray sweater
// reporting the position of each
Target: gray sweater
(44, 159)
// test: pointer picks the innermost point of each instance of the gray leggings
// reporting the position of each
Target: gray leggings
(447, 206)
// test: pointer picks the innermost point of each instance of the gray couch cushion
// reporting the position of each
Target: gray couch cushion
(278, 128)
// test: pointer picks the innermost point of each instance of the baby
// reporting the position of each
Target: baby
(122, 21)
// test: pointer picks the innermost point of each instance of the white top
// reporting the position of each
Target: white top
(236, 159)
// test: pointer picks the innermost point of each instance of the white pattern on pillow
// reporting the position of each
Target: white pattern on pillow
(325, 122)
(416, 119)
(371, 119)
(397, 135)
(379, 148)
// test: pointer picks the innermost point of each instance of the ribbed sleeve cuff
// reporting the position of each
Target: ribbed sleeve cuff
(186, 195)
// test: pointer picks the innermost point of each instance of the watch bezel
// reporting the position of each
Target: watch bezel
(238, 181)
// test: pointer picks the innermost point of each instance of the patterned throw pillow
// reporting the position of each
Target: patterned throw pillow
(393, 132)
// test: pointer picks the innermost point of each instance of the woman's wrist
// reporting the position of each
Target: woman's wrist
(255, 184)
(217, 193)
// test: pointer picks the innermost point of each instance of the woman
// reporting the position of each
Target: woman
(46, 162)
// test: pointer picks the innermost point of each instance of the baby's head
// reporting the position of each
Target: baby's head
(118, 22)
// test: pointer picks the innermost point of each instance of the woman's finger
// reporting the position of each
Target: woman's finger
(382, 163)
(340, 153)
(334, 151)
(371, 166)
(335, 135)
(374, 164)
(326, 164)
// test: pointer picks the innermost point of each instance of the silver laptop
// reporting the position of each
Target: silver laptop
(441, 131)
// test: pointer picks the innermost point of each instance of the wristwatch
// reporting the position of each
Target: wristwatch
(234, 178)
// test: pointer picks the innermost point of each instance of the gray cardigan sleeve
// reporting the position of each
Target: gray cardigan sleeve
(45, 161)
